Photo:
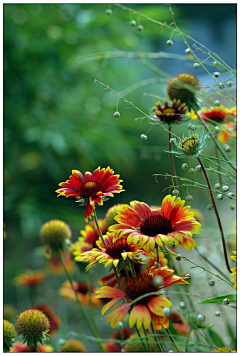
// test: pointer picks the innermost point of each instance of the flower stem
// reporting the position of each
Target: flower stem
(215, 141)
(94, 332)
(125, 269)
(216, 213)
(186, 347)
(156, 338)
(173, 341)
(157, 251)
(98, 228)
(219, 167)
(175, 180)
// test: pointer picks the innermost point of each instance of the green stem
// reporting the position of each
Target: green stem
(125, 269)
(171, 158)
(214, 140)
(98, 227)
(157, 251)
(156, 338)
(186, 347)
(145, 332)
(94, 332)
(173, 341)
(219, 167)
(216, 213)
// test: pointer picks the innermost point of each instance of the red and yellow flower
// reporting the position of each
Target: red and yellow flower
(30, 278)
(91, 189)
(54, 265)
(179, 323)
(85, 295)
(112, 253)
(143, 309)
(89, 237)
(234, 271)
(19, 347)
(170, 114)
(171, 224)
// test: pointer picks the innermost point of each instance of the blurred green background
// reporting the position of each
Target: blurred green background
(56, 119)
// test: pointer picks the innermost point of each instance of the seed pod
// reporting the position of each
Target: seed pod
(200, 318)
(225, 188)
(132, 23)
(211, 283)
(188, 276)
(184, 166)
(216, 102)
(217, 313)
(140, 28)
(217, 186)
(167, 311)
(215, 64)
(198, 168)
(169, 43)
(178, 257)
(226, 301)
(219, 197)
(196, 65)
(227, 148)
(143, 137)
(187, 51)
(231, 195)
(189, 198)
(116, 114)
(108, 12)
(175, 192)
(216, 74)
(182, 305)
(191, 171)
(210, 207)
(172, 140)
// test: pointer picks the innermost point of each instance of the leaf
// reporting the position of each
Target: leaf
(231, 297)
(217, 92)
(216, 338)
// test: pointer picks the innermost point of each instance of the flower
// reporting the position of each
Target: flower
(218, 114)
(228, 131)
(143, 309)
(53, 318)
(234, 271)
(30, 278)
(184, 87)
(171, 224)
(179, 323)
(19, 347)
(123, 334)
(191, 145)
(111, 213)
(170, 114)
(33, 325)
(111, 254)
(85, 295)
(89, 237)
(54, 265)
(9, 334)
(55, 234)
(73, 346)
(92, 189)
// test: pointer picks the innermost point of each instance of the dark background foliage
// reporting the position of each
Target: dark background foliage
(56, 119)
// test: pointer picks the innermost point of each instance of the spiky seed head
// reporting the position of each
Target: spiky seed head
(55, 233)
(9, 334)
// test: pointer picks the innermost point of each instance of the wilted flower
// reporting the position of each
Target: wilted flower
(170, 114)
(145, 310)
(122, 334)
(9, 334)
(184, 87)
(171, 224)
(94, 188)
(55, 234)
(30, 278)
(73, 346)
(84, 293)
(33, 325)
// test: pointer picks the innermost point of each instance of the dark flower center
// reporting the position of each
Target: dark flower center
(215, 115)
(81, 287)
(156, 224)
(116, 248)
(140, 285)
(89, 189)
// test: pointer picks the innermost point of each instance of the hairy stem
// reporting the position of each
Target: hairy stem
(216, 213)
(171, 158)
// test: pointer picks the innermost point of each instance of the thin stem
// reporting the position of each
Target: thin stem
(139, 335)
(214, 140)
(219, 167)
(212, 264)
(186, 347)
(145, 332)
(125, 269)
(94, 332)
(156, 338)
(173, 341)
(98, 227)
(157, 251)
(216, 213)
(171, 157)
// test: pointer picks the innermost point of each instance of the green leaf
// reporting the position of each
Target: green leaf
(231, 297)
(216, 338)
(217, 92)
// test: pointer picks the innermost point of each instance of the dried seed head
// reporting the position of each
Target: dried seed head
(55, 233)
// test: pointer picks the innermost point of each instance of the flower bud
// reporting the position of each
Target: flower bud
(55, 234)
(9, 334)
